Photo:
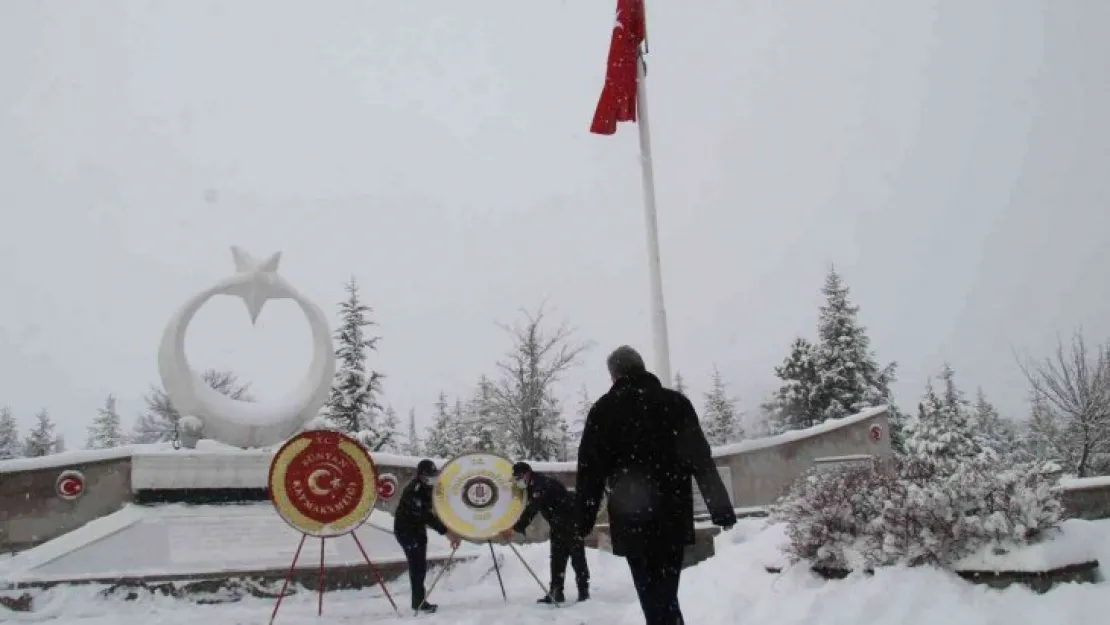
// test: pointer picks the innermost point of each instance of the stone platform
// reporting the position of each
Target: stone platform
(169, 543)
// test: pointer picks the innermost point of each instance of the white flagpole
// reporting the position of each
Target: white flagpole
(660, 341)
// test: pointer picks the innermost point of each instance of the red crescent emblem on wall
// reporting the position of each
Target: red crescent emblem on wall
(70, 485)
(387, 486)
(876, 432)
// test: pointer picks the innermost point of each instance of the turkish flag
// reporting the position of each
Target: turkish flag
(618, 97)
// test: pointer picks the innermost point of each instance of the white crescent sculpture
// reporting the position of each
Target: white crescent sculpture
(241, 423)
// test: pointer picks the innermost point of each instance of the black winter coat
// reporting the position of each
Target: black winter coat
(642, 444)
(414, 514)
(548, 496)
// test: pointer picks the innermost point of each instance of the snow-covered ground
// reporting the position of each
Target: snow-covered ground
(732, 587)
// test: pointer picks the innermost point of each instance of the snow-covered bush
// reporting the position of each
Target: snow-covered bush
(860, 518)
(1018, 504)
(950, 495)
(828, 515)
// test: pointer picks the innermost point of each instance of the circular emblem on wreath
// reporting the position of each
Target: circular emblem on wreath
(70, 485)
(473, 496)
(876, 432)
(323, 483)
(479, 492)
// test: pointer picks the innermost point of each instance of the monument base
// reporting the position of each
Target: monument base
(149, 544)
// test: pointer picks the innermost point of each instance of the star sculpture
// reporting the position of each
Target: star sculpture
(259, 285)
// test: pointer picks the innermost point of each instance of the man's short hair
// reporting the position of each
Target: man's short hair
(625, 361)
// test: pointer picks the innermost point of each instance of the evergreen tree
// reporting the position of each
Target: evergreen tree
(413, 446)
(583, 411)
(793, 405)
(41, 440)
(836, 377)
(158, 424)
(460, 418)
(1043, 436)
(944, 435)
(722, 423)
(568, 447)
(485, 433)
(385, 436)
(679, 383)
(106, 430)
(998, 433)
(353, 405)
(445, 437)
(557, 437)
(10, 445)
(849, 377)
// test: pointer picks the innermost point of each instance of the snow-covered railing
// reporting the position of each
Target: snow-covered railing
(1084, 483)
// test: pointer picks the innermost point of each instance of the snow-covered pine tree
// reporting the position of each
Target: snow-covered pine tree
(484, 428)
(556, 435)
(582, 410)
(679, 383)
(460, 417)
(353, 405)
(413, 446)
(943, 435)
(445, 436)
(385, 436)
(960, 493)
(41, 440)
(1043, 435)
(793, 406)
(849, 377)
(106, 430)
(158, 423)
(720, 415)
(568, 447)
(999, 433)
(10, 445)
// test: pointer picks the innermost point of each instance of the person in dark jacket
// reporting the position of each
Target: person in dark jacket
(410, 522)
(641, 446)
(548, 497)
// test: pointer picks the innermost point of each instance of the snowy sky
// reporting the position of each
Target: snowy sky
(947, 155)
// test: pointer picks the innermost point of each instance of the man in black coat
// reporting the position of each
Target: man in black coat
(410, 522)
(642, 444)
(547, 496)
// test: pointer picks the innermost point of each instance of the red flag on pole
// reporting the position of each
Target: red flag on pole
(618, 97)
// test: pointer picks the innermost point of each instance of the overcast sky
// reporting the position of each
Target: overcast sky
(948, 156)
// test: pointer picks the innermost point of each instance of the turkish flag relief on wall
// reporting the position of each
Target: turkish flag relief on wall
(618, 97)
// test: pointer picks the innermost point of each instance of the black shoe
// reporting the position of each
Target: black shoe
(427, 608)
(583, 593)
(555, 596)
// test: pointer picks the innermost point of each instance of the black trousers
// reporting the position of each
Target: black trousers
(565, 547)
(416, 552)
(656, 572)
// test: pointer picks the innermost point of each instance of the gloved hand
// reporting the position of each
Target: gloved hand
(724, 520)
